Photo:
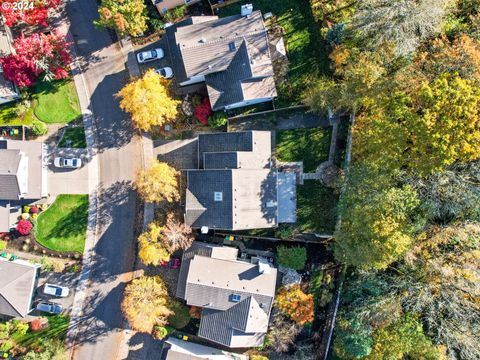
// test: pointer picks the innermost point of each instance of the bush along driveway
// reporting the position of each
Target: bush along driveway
(63, 226)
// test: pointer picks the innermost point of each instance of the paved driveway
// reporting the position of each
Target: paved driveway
(68, 181)
(67, 279)
(156, 64)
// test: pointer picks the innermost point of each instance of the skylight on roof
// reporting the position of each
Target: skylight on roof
(218, 196)
(235, 297)
(231, 46)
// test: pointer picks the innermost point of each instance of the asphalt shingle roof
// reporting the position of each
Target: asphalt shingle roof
(17, 282)
(9, 164)
(212, 275)
(229, 52)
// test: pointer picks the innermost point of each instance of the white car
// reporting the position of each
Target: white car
(165, 72)
(150, 55)
(71, 163)
(56, 290)
(49, 307)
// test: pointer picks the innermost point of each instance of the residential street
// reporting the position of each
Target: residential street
(118, 154)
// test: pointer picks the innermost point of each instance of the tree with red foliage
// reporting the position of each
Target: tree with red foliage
(31, 13)
(37, 324)
(203, 111)
(24, 227)
(35, 55)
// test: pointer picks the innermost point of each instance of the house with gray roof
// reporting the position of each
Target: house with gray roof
(235, 186)
(18, 281)
(230, 55)
(176, 349)
(23, 176)
(236, 296)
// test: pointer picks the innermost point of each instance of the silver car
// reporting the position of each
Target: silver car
(56, 290)
(49, 307)
(150, 55)
(69, 163)
(165, 72)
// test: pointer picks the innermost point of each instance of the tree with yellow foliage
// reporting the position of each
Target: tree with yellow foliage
(158, 183)
(128, 17)
(145, 303)
(151, 249)
(149, 101)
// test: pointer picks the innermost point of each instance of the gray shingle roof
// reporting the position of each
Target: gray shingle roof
(202, 186)
(17, 281)
(228, 52)
(9, 164)
(248, 186)
(209, 277)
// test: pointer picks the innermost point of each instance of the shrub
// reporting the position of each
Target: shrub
(285, 232)
(168, 16)
(25, 216)
(34, 216)
(20, 328)
(203, 111)
(292, 257)
(6, 346)
(34, 210)
(160, 332)
(26, 209)
(218, 119)
(50, 264)
(37, 324)
(157, 24)
(39, 127)
(24, 227)
(3, 244)
(44, 207)
(195, 312)
(196, 100)
(179, 12)
(181, 316)
(258, 357)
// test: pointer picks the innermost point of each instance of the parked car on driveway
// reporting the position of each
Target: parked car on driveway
(69, 163)
(56, 290)
(150, 55)
(165, 72)
(49, 307)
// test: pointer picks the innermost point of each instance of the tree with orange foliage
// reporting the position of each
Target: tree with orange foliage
(295, 304)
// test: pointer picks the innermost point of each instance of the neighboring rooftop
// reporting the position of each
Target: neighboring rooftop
(17, 284)
(230, 54)
(236, 296)
(175, 349)
(235, 187)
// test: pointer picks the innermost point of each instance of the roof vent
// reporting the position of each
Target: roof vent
(253, 62)
(246, 9)
(271, 204)
(218, 196)
(203, 40)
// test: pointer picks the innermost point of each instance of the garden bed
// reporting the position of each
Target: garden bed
(63, 226)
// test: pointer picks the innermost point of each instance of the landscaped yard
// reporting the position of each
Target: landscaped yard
(63, 226)
(316, 204)
(307, 52)
(52, 102)
(309, 145)
(57, 329)
(56, 101)
(76, 137)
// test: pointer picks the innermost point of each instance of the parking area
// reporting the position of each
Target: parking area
(68, 279)
(68, 181)
(155, 64)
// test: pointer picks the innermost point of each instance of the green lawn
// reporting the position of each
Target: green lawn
(56, 101)
(15, 114)
(316, 204)
(76, 135)
(57, 329)
(307, 52)
(63, 226)
(309, 145)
